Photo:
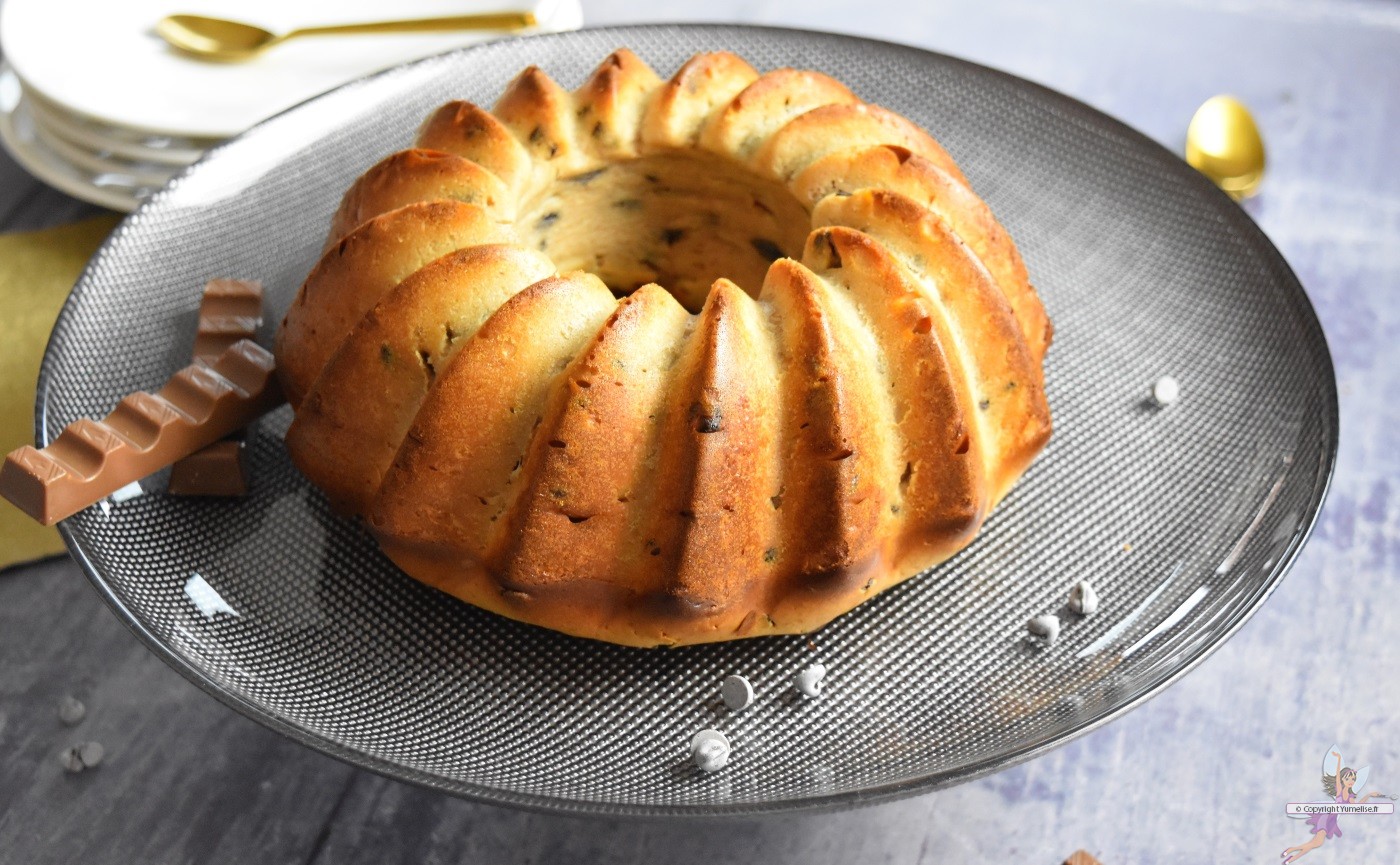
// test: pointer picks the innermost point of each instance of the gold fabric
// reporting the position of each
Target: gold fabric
(37, 269)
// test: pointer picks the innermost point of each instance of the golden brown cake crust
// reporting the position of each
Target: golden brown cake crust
(361, 268)
(415, 175)
(682, 462)
(346, 433)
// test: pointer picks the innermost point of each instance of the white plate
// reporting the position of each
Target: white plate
(101, 162)
(103, 60)
(160, 149)
(18, 135)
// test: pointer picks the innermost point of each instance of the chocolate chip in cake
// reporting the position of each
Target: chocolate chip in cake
(766, 248)
(586, 176)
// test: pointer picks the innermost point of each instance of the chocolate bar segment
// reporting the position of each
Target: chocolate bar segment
(230, 310)
(146, 432)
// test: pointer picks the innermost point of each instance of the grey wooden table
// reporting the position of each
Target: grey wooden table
(1201, 773)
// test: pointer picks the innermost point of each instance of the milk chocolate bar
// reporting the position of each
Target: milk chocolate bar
(230, 310)
(90, 459)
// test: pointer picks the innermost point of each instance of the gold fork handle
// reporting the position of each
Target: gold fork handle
(483, 21)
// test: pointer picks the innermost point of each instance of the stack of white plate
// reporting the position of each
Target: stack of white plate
(95, 104)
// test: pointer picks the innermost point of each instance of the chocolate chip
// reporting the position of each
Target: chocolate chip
(706, 421)
(829, 259)
(768, 249)
(586, 176)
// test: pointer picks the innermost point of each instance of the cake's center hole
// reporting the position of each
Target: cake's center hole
(681, 220)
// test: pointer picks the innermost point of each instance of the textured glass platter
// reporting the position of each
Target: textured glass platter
(1184, 518)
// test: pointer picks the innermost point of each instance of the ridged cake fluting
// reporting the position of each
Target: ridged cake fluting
(666, 362)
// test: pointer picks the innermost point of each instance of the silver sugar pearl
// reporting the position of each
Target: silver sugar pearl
(736, 692)
(809, 681)
(91, 753)
(1083, 599)
(1166, 391)
(1046, 628)
(70, 760)
(709, 749)
(71, 710)
(87, 755)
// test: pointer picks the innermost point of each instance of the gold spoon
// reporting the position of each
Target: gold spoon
(218, 39)
(1224, 144)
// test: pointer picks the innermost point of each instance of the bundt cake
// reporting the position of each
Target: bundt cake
(666, 362)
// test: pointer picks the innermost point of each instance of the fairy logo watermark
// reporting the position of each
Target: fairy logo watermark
(1343, 783)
